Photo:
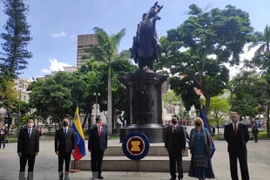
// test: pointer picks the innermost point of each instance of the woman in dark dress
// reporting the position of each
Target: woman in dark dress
(200, 148)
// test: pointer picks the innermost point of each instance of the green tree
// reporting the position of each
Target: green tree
(8, 96)
(197, 50)
(261, 60)
(262, 40)
(247, 94)
(51, 98)
(16, 38)
(106, 51)
(218, 110)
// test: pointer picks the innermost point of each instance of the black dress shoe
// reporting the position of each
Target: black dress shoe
(173, 179)
(100, 177)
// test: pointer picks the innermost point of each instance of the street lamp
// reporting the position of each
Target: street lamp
(96, 94)
(19, 113)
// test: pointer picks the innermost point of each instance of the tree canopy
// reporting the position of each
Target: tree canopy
(195, 52)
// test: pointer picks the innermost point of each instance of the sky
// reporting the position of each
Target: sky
(55, 24)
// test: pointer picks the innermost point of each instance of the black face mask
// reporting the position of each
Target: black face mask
(174, 122)
(198, 124)
(65, 124)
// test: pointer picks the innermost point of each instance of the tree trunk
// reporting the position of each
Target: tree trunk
(85, 119)
(207, 104)
(217, 127)
(109, 105)
(267, 120)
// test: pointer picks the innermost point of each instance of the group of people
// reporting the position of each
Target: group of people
(235, 133)
(28, 148)
(201, 148)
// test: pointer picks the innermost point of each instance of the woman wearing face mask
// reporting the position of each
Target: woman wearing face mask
(200, 149)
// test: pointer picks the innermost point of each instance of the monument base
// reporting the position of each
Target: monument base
(154, 132)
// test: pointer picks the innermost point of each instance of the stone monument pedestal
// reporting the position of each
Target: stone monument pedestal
(144, 104)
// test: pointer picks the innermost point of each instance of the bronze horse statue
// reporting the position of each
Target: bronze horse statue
(145, 46)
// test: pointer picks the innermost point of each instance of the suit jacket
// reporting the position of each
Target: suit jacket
(26, 144)
(64, 143)
(236, 143)
(177, 140)
(96, 142)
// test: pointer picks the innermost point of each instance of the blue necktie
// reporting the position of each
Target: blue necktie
(65, 131)
(29, 133)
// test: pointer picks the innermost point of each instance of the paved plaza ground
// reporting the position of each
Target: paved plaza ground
(46, 164)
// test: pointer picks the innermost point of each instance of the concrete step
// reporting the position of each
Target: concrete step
(122, 163)
(154, 150)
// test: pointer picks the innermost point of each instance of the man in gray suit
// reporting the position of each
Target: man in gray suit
(97, 144)
(175, 144)
(64, 145)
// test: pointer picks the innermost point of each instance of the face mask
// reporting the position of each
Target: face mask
(174, 122)
(234, 120)
(65, 124)
(198, 124)
(30, 125)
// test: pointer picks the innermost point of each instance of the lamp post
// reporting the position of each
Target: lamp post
(96, 94)
(19, 113)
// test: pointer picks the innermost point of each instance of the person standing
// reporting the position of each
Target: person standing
(28, 148)
(3, 134)
(236, 135)
(200, 149)
(175, 144)
(97, 144)
(64, 145)
(255, 132)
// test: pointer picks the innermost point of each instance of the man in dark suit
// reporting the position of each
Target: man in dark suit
(28, 148)
(236, 135)
(97, 144)
(64, 145)
(175, 144)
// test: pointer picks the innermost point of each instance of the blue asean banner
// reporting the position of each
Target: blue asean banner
(136, 145)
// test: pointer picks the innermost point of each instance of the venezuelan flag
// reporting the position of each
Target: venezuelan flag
(79, 137)
(206, 125)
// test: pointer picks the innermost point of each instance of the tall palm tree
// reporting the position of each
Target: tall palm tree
(262, 40)
(262, 59)
(106, 51)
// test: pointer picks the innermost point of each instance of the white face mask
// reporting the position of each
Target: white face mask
(30, 125)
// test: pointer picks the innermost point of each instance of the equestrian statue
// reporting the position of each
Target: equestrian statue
(145, 46)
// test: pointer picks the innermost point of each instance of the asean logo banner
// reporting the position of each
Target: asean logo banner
(136, 145)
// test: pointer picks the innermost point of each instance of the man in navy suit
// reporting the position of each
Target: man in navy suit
(236, 135)
(28, 148)
(97, 144)
(64, 145)
(175, 144)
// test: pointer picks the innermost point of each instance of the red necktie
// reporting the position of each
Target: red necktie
(235, 130)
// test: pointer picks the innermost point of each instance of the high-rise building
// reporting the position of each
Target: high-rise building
(84, 41)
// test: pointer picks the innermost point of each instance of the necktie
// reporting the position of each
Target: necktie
(235, 130)
(65, 131)
(99, 130)
(173, 128)
(29, 132)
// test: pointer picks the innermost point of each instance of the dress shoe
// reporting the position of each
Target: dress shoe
(173, 179)
(100, 177)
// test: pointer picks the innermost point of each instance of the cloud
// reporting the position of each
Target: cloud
(59, 35)
(55, 66)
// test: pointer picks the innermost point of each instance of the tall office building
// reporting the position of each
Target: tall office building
(82, 42)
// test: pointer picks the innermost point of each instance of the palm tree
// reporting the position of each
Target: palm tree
(262, 40)
(106, 51)
(262, 59)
